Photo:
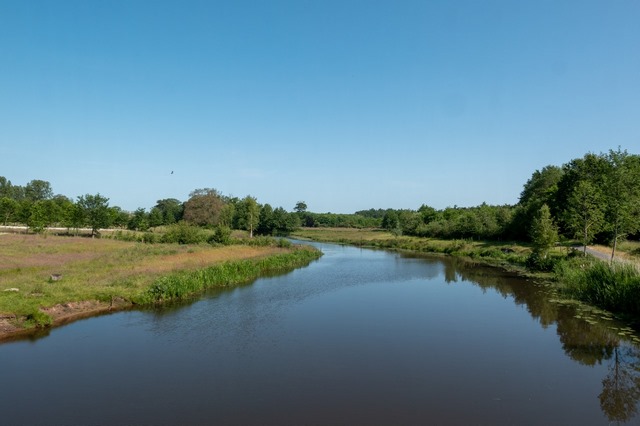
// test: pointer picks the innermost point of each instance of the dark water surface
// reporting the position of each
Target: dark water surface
(358, 337)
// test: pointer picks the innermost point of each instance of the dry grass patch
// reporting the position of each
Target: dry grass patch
(95, 269)
(342, 234)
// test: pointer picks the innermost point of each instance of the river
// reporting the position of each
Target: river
(359, 337)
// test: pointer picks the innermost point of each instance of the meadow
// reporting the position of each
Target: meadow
(42, 275)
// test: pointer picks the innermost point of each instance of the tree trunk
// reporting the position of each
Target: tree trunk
(615, 242)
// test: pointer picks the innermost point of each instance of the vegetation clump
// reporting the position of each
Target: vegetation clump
(186, 283)
(615, 287)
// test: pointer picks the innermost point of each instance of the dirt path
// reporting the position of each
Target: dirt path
(595, 253)
(604, 254)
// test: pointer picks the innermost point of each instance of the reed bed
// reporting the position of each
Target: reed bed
(614, 287)
(184, 284)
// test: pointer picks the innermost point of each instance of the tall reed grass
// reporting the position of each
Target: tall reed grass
(184, 284)
(613, 287)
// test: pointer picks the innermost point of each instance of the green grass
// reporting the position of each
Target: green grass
(185, 284)
(614, 287)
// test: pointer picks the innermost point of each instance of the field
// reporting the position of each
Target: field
(54, 274)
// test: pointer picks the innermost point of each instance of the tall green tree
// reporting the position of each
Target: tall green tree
(73, 217)
(96, 212)
(285, 222)
(591, 168)
(53, 212)
(584, 214)
(119, 217)
(38, 190)
(391, 221)
(8, 209)
(540, 189)
(266, 224)
(37, 220)
(544, 233)
(6, 188)
(155, 217)
(139, 220)
(300, 207)
(248, 214)
(622, 195)
(170, 209)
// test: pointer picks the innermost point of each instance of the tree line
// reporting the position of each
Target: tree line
(595, 198)
(36, 206)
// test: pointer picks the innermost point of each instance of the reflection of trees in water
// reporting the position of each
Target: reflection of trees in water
(589, 344)
(621, 387)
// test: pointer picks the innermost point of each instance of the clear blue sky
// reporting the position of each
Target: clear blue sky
(346, 105)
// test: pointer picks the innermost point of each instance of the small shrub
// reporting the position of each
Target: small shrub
(183, 233)
(221, 235)
(282, 243)
(260, 241)
(537, 261)
(38, 319)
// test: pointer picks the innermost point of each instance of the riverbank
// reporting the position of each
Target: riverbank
(615, 288)
(54, 280)
(509, 255)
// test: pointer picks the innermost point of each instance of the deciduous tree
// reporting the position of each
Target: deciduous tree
(204, 207)
(300, 207)
(584, 214)
(248, 214)
(38, 190)
(96, 212)
(544, 233)
(8, 209)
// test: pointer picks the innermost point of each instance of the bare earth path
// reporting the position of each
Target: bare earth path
(604, 253)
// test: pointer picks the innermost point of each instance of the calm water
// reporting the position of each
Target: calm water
(358, 337)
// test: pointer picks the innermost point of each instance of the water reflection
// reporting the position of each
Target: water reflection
(621, 387)
(588, 336)
(360, 337)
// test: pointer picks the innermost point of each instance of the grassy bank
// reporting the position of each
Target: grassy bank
(614, 287)
(38, 273)
(186, 283)
(499, 253)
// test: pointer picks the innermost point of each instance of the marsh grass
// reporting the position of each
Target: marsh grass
(98, 269)
(187, 283)
(615, 287)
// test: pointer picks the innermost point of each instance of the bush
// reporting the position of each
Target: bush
(183, 233)
(282, 243)
(260, 241)
(38, 319)
(538, 261)
(221, 235)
